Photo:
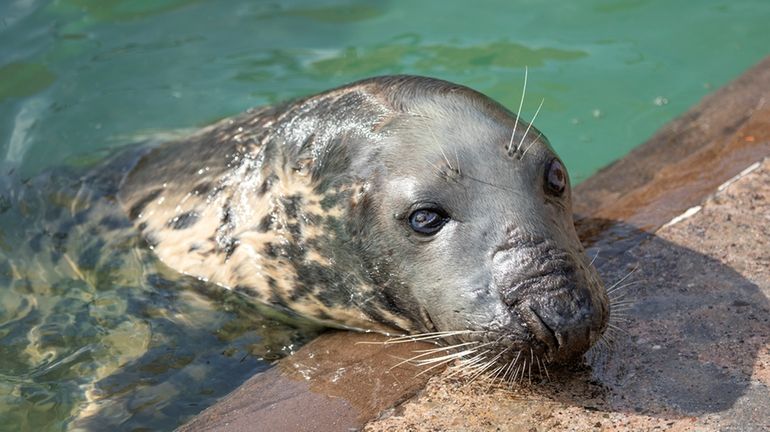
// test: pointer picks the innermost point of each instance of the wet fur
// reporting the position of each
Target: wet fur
(290, 206)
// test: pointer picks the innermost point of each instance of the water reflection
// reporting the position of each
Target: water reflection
(94, 330)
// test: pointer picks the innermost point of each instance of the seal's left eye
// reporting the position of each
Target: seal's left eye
(427, 221)
(555, 178)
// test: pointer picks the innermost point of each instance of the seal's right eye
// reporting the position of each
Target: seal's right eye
(555, 178)
(428, 221)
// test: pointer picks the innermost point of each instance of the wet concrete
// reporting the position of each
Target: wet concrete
(337, 382)
(694, 349)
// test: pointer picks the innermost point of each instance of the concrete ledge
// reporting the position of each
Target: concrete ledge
(693, 353)
(338, 381)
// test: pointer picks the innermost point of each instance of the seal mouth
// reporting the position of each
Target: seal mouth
(539, 328)
(562, 324)
(552, 294)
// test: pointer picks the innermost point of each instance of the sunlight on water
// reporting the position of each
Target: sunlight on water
(95, 333)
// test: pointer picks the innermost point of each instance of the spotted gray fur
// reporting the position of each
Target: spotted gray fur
(305, 205)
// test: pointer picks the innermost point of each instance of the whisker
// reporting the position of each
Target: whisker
(434, 366)
(494, 377)
(445, 348)
(457, 159)
(614, 327)
(467, 364)
(470, 363)
(615, 295)
(609, 336)
(419, 337)
(493, 360)
(516, 374)
(620, 312)
(409, 360)
(529, 126)
(479, 370)
(617, 288)
(447, 360)
(621, 306)
(532, 360)
(545, 368)
(451, 356)
(594, 258)
(523, 369)
(486, 366)
(518, 112)
(435, 167)
(490, 184)
(473, 362)
(498, 372)
(609, 290)
(427, 352)
(446, 159)
(504, 366)
(597, 351)
(509, 370)
(486, 373)
(601, 344)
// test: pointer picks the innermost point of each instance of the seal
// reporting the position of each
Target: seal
(397, 204)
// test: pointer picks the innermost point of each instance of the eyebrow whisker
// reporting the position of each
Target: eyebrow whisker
(518, 112)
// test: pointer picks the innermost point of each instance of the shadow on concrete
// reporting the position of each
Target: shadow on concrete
(686, 344)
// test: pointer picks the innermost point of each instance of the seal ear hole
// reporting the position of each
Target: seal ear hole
(555, 177)
(428, 221)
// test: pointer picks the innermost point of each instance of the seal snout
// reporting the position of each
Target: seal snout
(566, 325)
(550, 294)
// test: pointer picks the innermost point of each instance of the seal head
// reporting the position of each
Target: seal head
(395, 204)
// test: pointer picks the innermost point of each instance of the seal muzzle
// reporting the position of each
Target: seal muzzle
(550, 295)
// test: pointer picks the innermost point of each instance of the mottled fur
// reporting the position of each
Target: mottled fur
(303, 206)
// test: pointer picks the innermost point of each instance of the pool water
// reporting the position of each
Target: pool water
(94, 340)
(97, 334)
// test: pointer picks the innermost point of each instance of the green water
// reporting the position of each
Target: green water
(119, 341)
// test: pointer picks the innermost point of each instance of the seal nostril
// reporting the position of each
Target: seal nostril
(539, 328)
